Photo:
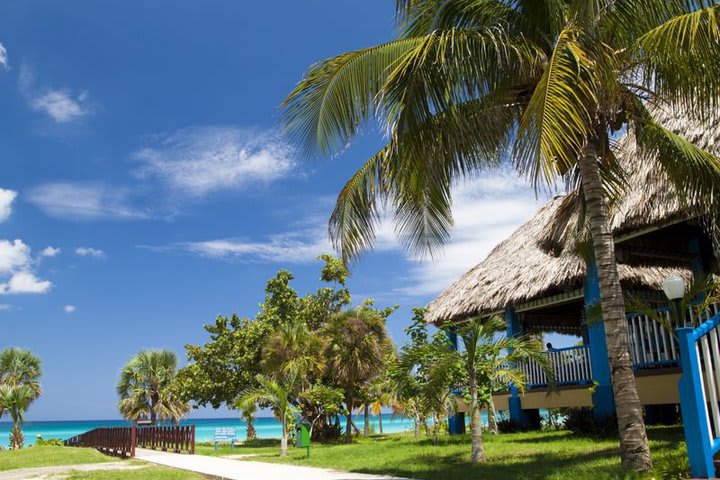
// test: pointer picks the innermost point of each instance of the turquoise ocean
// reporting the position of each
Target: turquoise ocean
(204, 428)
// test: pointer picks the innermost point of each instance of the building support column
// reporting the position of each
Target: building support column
(456, 423)
(524, 418)
(603, 399)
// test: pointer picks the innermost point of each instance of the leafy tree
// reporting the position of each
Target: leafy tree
(356, 353)
(293, 348)
(319, 403)
(146, 388)
(15, 399)
(276, 393)
(546, 83)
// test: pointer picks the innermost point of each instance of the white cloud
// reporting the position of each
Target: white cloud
(5, 307)
(206, 159)
(3, 56)
(49, 252)
(79, 201)
(486, 211)
(61, 105)
(6, 200)
(17, 264)
(297, 247)
(69, 309)
(24, 282)
(89, 252)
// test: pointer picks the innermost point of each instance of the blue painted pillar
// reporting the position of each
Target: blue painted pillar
(693, 406)
(603, 400)
(456, 423)
(524, 418)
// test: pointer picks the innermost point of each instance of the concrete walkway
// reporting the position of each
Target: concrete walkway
(229, 469)
(62, 471)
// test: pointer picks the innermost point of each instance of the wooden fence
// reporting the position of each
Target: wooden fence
(123, 440)
(115, 440)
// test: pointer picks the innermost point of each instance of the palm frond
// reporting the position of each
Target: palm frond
(557, 121)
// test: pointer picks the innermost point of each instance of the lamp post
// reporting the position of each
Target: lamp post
(674, 288)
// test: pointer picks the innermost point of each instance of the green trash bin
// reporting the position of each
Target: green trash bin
(302, 438)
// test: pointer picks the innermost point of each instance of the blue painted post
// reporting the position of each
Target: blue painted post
(694, 409)
(525, 418)
(456, 423)
(603, 399)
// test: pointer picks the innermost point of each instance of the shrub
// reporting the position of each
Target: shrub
(511, 426)
(50, 441)
(673, 467)
(583, 421)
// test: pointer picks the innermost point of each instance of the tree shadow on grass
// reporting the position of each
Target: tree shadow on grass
(538, 466)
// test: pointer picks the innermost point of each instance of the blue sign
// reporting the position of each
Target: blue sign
(225, 434)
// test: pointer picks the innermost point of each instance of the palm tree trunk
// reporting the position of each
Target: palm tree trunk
(380, 421)
(477, 454)
(284, 440)
(16, 437)
(417, 425)
(492, 420)
(366, 426)
(634, 448)
(251, 434)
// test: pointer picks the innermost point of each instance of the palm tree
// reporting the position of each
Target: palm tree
(356, 354)
(248, 414)
(491, 359)
(276, 393)
(15, 399)
(19, 366)
(546, 83)
(294, 348)
(145, 388)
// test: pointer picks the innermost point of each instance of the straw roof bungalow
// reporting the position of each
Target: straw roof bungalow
(541, 259)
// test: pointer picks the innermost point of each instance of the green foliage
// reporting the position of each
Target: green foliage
(583, 422)
(146, 388)
(56, 442)
(20, 370)
(675, 466)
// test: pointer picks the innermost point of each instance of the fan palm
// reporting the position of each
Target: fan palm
(293, 347)
(546, 83)
(19, 366)
(356, 353)
(145, 388)
(274, 392)
(15, 399)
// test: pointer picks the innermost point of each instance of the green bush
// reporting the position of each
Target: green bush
(50, 441)
(673, 467)
(583, 421)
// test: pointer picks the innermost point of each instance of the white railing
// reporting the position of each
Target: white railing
(569, 366)
(700, 392)
(651, 343)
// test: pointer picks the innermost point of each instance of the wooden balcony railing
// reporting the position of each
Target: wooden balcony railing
(122, 441)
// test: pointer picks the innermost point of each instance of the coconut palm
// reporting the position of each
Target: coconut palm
(145, 388)
(19, 366)
(15, 399)
(275, 393)
(356, 354)
(545, 83)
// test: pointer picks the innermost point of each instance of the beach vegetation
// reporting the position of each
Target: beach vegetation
(20, 371)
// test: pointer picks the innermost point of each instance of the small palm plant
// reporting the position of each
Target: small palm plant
(15, 400)
(276, 393)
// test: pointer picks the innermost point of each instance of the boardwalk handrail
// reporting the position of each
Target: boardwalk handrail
(175, 438)
(571, 365)
(123, 440)
(699, 393)
(112, 440)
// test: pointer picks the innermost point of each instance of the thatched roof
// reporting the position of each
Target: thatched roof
(540, 258)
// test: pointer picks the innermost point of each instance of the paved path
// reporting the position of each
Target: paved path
(229, 469)
(61, 471)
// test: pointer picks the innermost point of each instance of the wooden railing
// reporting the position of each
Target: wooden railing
(176, 438)
(123, 440)
(115, 441)
(570, 366)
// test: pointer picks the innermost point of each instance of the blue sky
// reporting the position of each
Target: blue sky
(146, 187)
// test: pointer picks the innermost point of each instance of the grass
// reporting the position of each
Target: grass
(154, 473)
(532, 455)
(46, 456)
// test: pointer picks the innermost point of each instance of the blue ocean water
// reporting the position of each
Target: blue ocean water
(204, 428)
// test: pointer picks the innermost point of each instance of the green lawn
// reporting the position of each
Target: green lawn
(535, 455)
(45, 456)
(149, 473)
